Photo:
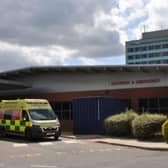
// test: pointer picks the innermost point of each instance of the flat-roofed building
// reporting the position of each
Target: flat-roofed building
(145, 86)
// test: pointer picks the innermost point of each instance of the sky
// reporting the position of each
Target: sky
(74, 32)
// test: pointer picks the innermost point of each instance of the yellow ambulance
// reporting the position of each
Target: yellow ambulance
(31, 118)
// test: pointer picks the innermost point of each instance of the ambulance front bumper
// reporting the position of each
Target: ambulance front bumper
(37, 131)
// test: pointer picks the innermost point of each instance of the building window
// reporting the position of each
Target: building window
(143, 48)
(165, 46)
(151, 55)
(130, 50)
(164, 53)
(154, 105)
(157, 47)
(63, 110)
(164, 62)
(155, 62)
(138, 56)
(151, 47)
(130, 57)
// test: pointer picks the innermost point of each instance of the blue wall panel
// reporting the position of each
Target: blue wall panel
(89, 113)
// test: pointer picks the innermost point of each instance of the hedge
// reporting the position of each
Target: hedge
(147, 125)
(120, 124)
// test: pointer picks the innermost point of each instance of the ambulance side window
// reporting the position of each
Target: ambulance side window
(7, 115)
(25, 117)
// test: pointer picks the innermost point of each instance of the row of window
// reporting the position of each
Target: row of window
(154, 105)
(145, 48)
(151, 62)
(150, 55)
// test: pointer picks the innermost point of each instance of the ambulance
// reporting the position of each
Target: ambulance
(31, 118)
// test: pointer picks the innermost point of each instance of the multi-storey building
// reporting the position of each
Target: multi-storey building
(152, 48)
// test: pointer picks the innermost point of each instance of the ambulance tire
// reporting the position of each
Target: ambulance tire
(2, 131)
(28, 134)
(56, 137)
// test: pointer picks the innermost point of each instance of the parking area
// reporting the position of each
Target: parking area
(74, 153)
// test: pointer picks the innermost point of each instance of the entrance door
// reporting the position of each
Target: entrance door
(87, 116)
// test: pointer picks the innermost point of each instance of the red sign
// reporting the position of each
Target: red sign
(1, 114)
(139, 81)
(120, 83)
(148, 81)
(15, 115)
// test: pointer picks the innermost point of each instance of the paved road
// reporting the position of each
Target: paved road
(69, 153)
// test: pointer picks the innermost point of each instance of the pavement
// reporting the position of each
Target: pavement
(162, 146)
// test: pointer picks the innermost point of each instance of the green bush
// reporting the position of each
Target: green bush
(147, 125)
(120, 124)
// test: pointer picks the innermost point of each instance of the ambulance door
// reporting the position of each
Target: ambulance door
(24, 120)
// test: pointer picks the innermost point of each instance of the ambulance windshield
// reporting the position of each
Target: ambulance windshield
(42, 114)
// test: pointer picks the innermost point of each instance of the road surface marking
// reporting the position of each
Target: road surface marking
(118, 149)
(73, 141)
(43, 166)
(60, 153)
(19, 145)
(45, 143)
(26, 155)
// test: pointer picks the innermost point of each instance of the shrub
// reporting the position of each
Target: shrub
(147, 125)
(120, 124)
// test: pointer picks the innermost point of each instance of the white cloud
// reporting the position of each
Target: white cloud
(124, 18)
(130, 4)
(87, 61)
(110, 21)
(48, 55)
(16, 56)
(157, 15)
(85, 32)
(54, 31)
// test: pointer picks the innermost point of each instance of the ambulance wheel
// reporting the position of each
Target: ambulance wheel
(56, 137)
(2, 132)
(28, 134)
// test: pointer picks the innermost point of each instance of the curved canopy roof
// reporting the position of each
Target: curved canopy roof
(8, 82)
(99, 68)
